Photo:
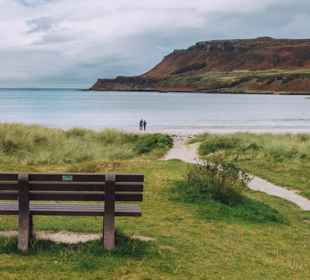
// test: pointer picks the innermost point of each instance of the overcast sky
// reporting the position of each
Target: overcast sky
(71, 43)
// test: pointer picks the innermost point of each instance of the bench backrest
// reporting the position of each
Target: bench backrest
(72, 186)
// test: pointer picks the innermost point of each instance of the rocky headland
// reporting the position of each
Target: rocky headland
(261, 65)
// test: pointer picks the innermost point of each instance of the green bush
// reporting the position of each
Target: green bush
(215, 143)
(78, 132)
(149, 142)
(219, 180)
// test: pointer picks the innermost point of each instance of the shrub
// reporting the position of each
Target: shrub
(250, 146)
(77, 132)
(110, 136)
(218, 179)
(214, 144)
(149, 142)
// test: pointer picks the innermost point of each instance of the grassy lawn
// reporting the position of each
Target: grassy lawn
(266, 238)
(282, 159)
(262, 238)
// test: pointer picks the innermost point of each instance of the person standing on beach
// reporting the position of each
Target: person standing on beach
(144, 125)
(141, 124)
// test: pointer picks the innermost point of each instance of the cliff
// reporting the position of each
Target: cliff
(252, 65)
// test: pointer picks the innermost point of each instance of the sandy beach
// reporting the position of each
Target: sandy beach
(195, 131)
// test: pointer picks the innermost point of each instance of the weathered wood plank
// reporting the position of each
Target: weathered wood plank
(8, 195)
(129, 186)
(81, 186)
(69, 209)
(71, 196)
(67, 186)
(74, 177)
(82, 196)
(8, 186)
(129, 178)
(8, 176)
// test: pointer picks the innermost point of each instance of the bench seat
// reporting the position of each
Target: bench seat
(107, 195)
(70, 209)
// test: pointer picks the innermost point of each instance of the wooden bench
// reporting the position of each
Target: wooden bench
(26, 195)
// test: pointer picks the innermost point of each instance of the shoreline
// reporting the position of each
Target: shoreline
(182, 132)
(213, 91)
(193, 131)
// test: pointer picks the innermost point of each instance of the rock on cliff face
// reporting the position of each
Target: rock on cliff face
(253, 64)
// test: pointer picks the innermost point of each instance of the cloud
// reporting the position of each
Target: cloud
(32, 3)
(73, 42)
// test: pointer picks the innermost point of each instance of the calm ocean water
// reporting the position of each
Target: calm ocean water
(97, 110)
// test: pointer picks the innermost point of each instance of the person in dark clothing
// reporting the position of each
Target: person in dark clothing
(144, 125)
(141, 124)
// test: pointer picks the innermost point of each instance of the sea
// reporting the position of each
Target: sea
(177, 112)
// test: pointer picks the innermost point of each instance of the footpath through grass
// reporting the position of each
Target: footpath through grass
(265, 238)
(281, 159)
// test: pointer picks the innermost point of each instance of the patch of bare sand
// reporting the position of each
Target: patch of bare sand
(182, 150)
(70, 237)
(58, 237)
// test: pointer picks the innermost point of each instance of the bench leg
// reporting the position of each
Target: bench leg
(109, 232)
(31, 232)
(24, 227)
(109, 213)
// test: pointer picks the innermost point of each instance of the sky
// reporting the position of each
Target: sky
(71, 43)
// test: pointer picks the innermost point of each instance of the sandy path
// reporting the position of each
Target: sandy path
(181, 151)
(188, 153)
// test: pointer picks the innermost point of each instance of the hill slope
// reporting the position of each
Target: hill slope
(253, 65)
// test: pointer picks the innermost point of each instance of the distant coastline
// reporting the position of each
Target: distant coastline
(214, 91)
(260, 66)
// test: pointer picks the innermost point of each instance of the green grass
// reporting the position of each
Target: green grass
(194, 237)
(20, 144)
(282, 159)
(266, 238)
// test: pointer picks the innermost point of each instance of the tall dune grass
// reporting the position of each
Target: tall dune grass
(38, 145)
(282, 159)
(275, 147)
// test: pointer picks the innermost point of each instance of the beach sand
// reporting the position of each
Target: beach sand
(195, 131)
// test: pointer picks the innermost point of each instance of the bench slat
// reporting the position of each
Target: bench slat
(8, 186)
(83, 177)
(8, 195)
(71, 209)
(83, 186)
(8, 176)
(76, 177)
(129, 178)
(72, 196)
(82, 196)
